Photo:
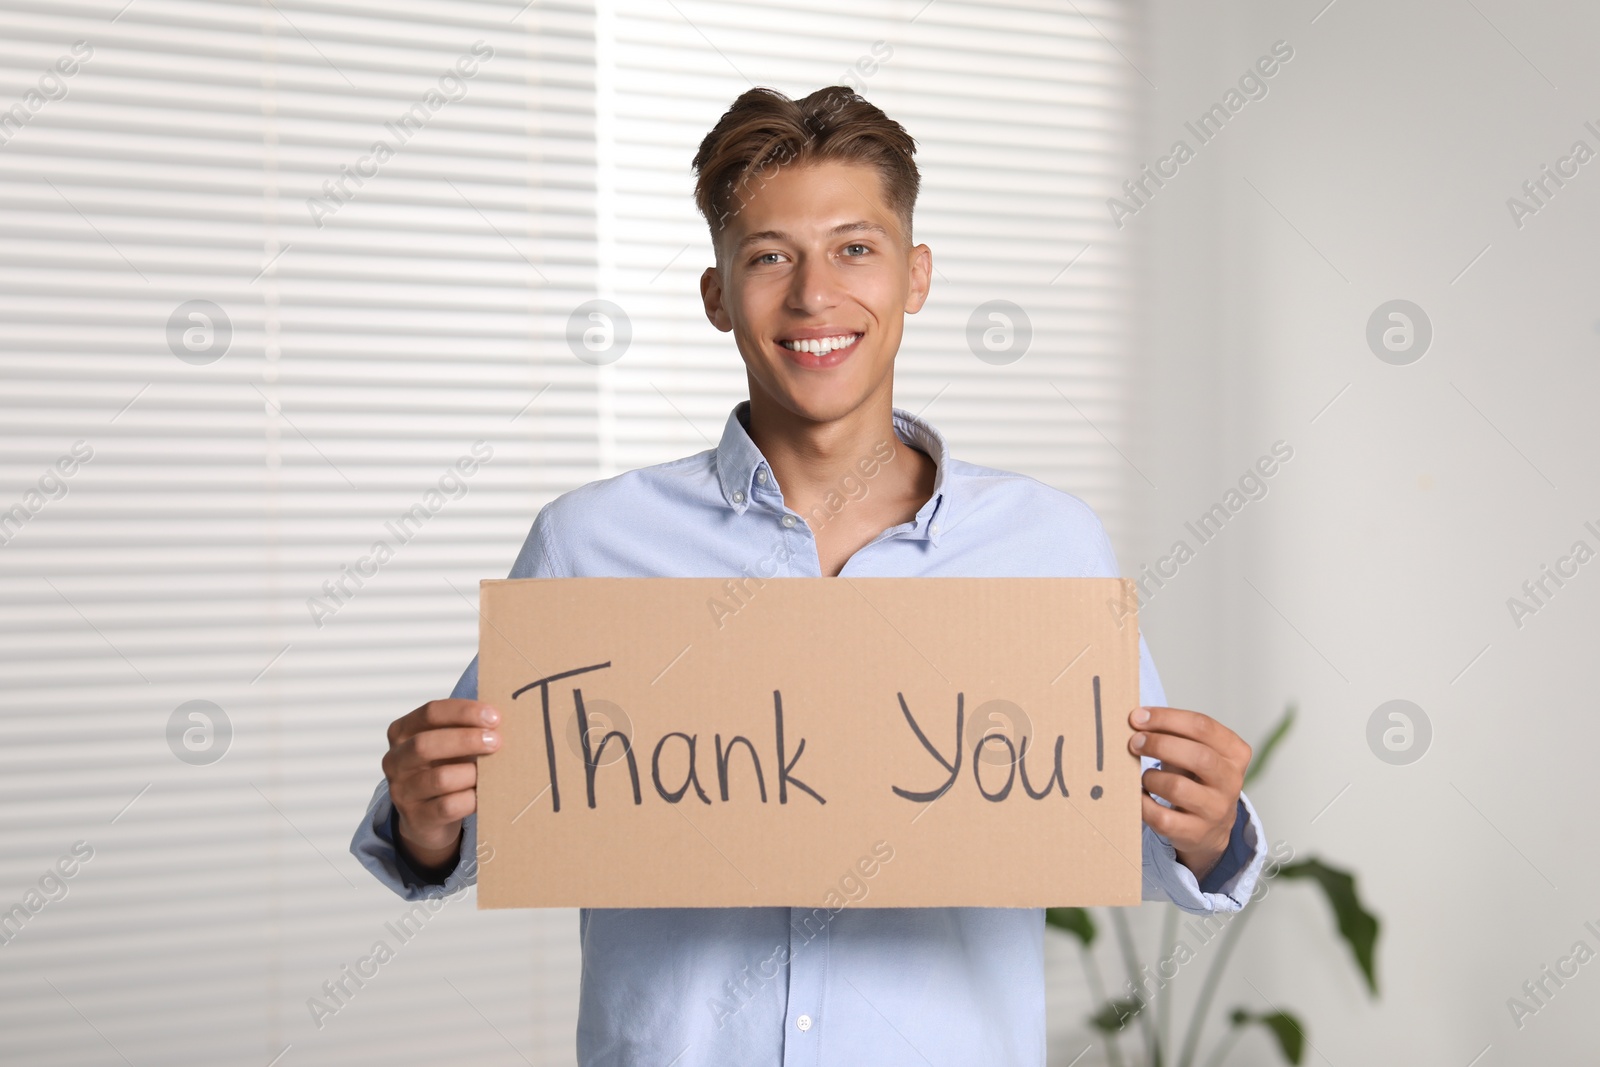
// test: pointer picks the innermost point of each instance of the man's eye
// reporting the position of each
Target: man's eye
(762, 258)
(864, 248)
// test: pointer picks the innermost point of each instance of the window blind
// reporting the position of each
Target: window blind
(243, 346)
(384, 311)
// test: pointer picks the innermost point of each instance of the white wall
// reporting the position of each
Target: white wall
(1414, 506)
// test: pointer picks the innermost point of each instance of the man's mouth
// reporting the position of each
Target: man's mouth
(822, 346)
(816, 354)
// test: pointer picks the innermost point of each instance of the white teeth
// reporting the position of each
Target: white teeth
(821, 345)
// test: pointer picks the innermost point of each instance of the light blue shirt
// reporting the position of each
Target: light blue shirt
(792, 987)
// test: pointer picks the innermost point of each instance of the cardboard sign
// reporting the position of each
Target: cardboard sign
(699, 742)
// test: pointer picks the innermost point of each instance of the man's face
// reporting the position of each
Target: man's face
(815, 255)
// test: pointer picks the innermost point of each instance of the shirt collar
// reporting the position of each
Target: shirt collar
(738, 460)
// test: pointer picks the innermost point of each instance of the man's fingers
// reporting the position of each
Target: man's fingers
(446, 809)
(432, 782)
(449, 743)
(1194, 726)
(1179, 827)
(436, 714)
(431, 765)
(1203, 764)
(1180, 753)
(1170, 769)
(1185, 794)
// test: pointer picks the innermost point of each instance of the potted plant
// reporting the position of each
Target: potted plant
(1354, 923)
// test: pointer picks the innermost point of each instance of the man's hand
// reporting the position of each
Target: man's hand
(432, 768)
(1202, 771)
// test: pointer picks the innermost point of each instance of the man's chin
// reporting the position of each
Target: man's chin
(820, 402)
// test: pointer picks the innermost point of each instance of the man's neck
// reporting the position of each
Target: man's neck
(812, 459)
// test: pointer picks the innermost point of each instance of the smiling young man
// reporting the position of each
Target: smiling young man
(810, 205)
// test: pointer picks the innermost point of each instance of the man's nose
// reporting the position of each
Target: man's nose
(815, 285)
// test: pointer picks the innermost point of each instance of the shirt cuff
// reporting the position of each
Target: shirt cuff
(1233, 858)
(374, 846)
(1227, 887)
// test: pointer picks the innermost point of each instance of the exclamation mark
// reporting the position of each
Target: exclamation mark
(1099, 741)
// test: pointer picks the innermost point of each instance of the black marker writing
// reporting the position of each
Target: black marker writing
(592, 753)
(1099, 742)
(691, 779)
(784, 769)
(591, 756)
(1056, 778)
(1099, 734)
(1011, 766)
(953, 768)
(549, 741)
(1016, 759)
(724, 754)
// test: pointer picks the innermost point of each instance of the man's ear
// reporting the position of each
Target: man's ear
(921, 267)
(711, 297)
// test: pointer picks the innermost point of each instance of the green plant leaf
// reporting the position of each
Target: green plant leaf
(1259, 762)
(1283, 1026)
(1075, 921)
(1357, 925)
(1114, 1015)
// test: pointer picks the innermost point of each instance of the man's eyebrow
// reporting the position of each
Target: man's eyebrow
(843, 227)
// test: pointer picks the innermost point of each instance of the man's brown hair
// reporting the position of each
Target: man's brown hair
(765, 130)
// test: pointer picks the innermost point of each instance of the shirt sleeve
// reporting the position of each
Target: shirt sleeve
(374, 840)
(1235, 857)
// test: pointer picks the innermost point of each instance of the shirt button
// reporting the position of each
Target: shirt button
(761, 476)
(934, 529)
(804, 1023)
(738, 496)
(788, 520)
